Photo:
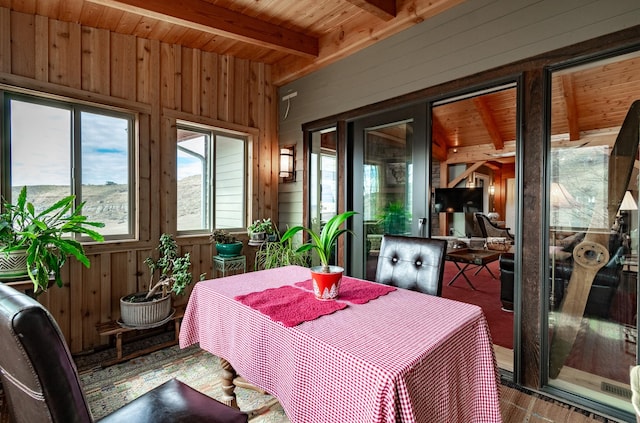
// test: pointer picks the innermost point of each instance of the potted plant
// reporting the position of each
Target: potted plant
(226, 244)
(146, 309)
(279, 254)
(43, 238)
(326, 278)
(259, 231)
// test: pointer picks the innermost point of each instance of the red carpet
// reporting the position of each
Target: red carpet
(486, 295)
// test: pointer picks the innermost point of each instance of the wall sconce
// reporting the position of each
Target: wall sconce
(492, 189)
(287, 171)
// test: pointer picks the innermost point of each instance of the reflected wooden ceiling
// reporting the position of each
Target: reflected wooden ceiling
(296, 37)
(589, 104)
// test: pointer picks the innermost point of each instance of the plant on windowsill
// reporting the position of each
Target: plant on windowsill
(260, 231)
(227, 245)
(153, 308)
(326, 278)
(42, 240)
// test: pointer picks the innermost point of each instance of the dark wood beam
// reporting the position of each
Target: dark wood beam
(204, 16)
(570, 107)
(489, 122)
(384, 9)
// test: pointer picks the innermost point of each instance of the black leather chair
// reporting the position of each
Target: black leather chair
(41, 383)
(489, 229)
(412, 263)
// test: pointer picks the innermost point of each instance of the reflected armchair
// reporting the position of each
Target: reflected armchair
(41, 383)
(412, 263)
(489, 229)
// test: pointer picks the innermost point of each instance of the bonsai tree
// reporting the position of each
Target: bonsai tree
(45, 236)
(174, 271)
(324, 242)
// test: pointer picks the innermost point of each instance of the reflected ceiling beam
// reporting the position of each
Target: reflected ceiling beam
(570, 107)
(383, 9)
(465, 174)
(489, 122)
(440, 140)
(207, 17)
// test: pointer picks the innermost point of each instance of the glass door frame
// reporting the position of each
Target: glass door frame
(421, 150)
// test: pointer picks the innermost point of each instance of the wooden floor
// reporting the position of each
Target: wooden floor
(520, 407)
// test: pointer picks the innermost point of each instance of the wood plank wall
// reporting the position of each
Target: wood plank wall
(163, 83)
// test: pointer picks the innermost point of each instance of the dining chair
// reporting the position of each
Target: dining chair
(489, 229)
(41, 383)
(412, 263)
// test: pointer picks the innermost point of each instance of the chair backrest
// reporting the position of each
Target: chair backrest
(38, 374)
(489, 229)
(412, 263)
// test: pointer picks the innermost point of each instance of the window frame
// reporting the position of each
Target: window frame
(75, 108)
(213, 132)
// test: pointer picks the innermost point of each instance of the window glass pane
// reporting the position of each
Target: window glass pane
(105, 171)
(45, 143)
(193, 196)
(40, 153)
(229, 177)
(592, 281)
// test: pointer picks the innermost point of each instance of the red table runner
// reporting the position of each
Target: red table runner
(354, 290)
(289, 305)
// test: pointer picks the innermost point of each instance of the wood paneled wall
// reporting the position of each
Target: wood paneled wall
(162, 83)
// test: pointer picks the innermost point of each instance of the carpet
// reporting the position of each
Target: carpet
(110, 388)
(486, 295)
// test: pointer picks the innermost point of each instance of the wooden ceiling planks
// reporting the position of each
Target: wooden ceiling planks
(295, 36)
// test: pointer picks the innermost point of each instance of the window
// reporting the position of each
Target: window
(211, 169)
(58, 148)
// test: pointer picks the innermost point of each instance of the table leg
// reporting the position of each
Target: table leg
(228, 387)
(461, 271)
(484, 266)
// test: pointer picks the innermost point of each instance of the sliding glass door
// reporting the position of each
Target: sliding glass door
(389, 182)
(593, 225)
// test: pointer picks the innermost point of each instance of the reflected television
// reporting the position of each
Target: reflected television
(458, 200)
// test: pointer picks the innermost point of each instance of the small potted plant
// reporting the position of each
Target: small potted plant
(226, 244)
(278, 254)
(146, 309)
(326, 278)
(42, 239)
(259, 231)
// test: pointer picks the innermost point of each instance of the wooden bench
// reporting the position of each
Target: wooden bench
(113, 328)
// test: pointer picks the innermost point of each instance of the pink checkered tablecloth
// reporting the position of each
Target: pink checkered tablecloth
(403, 357)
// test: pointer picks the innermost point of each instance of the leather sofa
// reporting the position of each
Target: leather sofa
(602, 291)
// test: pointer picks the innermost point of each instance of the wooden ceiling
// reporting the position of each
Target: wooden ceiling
(296, 37)
(588, 105)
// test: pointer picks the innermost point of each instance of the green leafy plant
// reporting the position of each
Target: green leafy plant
(325, 241)
(220, 236)
(46, 236)
(174, 270)
(279, 254)
(264, 225)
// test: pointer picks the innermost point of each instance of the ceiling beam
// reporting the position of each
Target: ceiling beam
(383, 9)
(207, 17)
(489, 122)
(357, 34)
(570, 107)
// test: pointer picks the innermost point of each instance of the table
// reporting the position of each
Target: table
(403, 357)
(470, 257)
(229, 265)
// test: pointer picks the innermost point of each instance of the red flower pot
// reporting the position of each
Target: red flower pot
(326, 285)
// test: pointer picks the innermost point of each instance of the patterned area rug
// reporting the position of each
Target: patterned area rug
(110, 388)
